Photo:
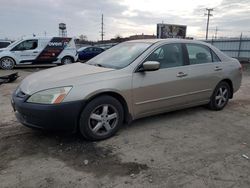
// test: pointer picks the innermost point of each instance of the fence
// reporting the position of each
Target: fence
(237, 47)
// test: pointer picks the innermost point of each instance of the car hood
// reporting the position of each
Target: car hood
(3, 49)
(66, 75)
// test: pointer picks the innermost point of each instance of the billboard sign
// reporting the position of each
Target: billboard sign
(171, 31)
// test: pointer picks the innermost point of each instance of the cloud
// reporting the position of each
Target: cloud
(19, 18)
(232, 17)
(126, 17)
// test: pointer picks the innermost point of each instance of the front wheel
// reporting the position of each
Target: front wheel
(220, 96)
(7, 63)
(101, 118)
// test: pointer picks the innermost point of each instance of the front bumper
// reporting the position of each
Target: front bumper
(62, 116)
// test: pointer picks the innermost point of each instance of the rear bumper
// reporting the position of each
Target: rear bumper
(63, 117)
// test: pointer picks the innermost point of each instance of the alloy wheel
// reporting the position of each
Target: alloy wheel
(7, 63)
(103, 119)
(67, 60)
(221, 97)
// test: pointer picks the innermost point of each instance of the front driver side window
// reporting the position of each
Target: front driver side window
(26, 45)
(168, 55)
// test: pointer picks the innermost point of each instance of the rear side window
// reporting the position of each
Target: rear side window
(215, 57)
(198, 54)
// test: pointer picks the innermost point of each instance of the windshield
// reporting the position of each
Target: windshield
(120, 55)
(82, 48)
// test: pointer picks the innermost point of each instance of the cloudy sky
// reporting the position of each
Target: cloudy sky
(121, 17)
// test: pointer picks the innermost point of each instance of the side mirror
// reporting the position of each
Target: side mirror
(150, 66)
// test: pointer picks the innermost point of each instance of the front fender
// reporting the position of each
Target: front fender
(101, 91)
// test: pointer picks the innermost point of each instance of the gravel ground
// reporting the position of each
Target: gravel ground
(188, 148)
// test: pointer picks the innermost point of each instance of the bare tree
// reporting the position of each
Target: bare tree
(83, 38)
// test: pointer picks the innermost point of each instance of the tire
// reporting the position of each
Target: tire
(67, 60)
(101, 118)
(220, 96)
(7, 63)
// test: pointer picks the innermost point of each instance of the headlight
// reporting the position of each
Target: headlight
(50, 96)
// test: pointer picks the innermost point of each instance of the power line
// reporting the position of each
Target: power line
(209, 10)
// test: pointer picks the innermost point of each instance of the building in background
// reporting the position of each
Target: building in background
(142, 36)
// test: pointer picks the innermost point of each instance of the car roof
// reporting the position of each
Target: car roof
(170, 40)
(41, 38)
(221, 55)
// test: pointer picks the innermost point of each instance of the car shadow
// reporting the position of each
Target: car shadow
(165, 116)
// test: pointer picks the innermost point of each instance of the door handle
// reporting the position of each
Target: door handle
(217, 68)
(35, 52)
(181, 74)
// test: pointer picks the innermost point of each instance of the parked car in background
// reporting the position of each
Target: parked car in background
(132, 80)
(4, 44)
(38, 50)
(86, 53)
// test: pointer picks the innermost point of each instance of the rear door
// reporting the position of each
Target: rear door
(204, 71)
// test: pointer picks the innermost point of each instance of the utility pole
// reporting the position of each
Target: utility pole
(209, 10)
(216, 30)
(102, 30)
(240, 45)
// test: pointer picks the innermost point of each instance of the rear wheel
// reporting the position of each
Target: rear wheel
(7, 63)
(101, 118)
(220, 96)
(67, 60)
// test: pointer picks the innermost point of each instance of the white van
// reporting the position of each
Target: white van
(38, 50)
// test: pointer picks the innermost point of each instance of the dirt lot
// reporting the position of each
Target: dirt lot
(188, 148)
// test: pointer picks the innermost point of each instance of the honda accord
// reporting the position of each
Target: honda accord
(132, 80)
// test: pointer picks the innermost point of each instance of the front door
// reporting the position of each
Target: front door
(26, 51)
(165, 88)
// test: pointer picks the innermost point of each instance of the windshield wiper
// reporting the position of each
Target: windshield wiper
(98, 65)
